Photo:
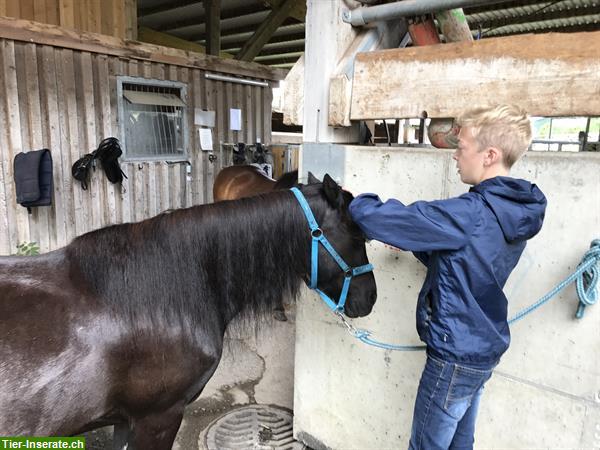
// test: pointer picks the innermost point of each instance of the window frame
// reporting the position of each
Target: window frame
(121, 79)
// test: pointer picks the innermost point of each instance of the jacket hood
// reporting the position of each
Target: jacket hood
(518, 205)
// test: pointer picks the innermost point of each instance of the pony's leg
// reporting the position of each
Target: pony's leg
(121, 435)
(157, 431)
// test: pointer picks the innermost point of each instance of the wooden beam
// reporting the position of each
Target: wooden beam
(298, 12)
(266, 30)
(151, 36)
(445, 80)
(39, 33)
(212, 9)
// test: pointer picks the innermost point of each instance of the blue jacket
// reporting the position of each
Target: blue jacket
(470, 244)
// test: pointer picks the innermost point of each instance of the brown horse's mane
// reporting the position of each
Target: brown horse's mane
(225, 257)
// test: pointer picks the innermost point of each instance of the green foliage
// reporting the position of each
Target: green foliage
(28, 249)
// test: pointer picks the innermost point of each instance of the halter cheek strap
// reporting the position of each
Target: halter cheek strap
(319, 238)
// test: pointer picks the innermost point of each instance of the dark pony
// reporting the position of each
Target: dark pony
(125, 325)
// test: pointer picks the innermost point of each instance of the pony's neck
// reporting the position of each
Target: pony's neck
(263, 247)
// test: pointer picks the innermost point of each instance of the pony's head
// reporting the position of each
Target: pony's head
(348, 241)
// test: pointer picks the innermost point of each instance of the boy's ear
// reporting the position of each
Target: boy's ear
(312, 179)
(333, 192)
(493, 156)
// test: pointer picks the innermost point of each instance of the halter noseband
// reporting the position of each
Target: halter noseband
(319, 237)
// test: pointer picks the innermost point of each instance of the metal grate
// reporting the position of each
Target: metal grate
(253, 427)
(154, 120)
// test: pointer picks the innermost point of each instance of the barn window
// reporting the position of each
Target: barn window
(152, 117)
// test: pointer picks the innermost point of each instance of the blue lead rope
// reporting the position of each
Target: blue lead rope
(586, 276)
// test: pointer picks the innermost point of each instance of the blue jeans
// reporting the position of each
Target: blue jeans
(446, 406)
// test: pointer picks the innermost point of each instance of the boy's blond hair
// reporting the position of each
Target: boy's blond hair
(506, 127)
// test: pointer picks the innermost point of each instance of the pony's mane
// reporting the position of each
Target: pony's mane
(287, 180)
(221, 258)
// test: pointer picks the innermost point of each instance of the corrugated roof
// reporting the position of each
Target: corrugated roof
(241, 18)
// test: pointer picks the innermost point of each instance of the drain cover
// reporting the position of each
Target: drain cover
(253, 427)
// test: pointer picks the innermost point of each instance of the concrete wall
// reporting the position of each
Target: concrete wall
(545, 392)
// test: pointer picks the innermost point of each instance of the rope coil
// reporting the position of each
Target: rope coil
(586, 276)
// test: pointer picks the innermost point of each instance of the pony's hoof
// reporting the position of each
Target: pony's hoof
(280, 315)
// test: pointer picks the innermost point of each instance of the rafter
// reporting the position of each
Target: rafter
(266, 30)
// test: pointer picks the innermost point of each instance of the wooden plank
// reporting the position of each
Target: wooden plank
(22, 30)
(84, 206)
(153, 198)
(91, 139)
(31, 105)
(104, 93)
(10, 98)
(116, 68)
(197, 100)
(208, 172)
(151, 36)
(258, 115)
(118, 9)
(457, 76)
(131, 20)
(13, 8)
(67, 214)
(138, 191)
(65, 89)
(52, 139)
(107, 21)
(66, 13)
(27, 9)
(187, 180)
(3, 12)
(163, 177)
(39, 11)
(265, 31)
(52, 13)
(146, 192)
(8, 236)
(94, 14)
(267, 114)
(212, 12)
(4, 233)
(249, 129)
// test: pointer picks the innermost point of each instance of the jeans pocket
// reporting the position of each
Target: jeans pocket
(464, 384)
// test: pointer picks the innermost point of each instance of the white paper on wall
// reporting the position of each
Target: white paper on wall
(235, 119)
(206, 142)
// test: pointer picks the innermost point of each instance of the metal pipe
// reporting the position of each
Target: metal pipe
(212, 76)
(407, 8)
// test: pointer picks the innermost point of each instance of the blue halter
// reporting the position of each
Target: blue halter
(319, 237)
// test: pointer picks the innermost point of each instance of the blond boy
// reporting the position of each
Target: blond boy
(470, 244)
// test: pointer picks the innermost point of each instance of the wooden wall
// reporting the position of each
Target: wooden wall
(65, 100)
(111, 17)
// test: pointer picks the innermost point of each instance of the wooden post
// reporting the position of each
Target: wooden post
(212, 10)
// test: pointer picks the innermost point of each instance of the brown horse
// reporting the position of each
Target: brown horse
(247, 180)
(125, 325)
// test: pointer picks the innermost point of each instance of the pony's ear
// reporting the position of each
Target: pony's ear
(312, 179)
(333, 192)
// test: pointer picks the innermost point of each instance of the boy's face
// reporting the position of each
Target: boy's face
(469, 159)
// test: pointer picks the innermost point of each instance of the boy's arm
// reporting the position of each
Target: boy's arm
(418, 227)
